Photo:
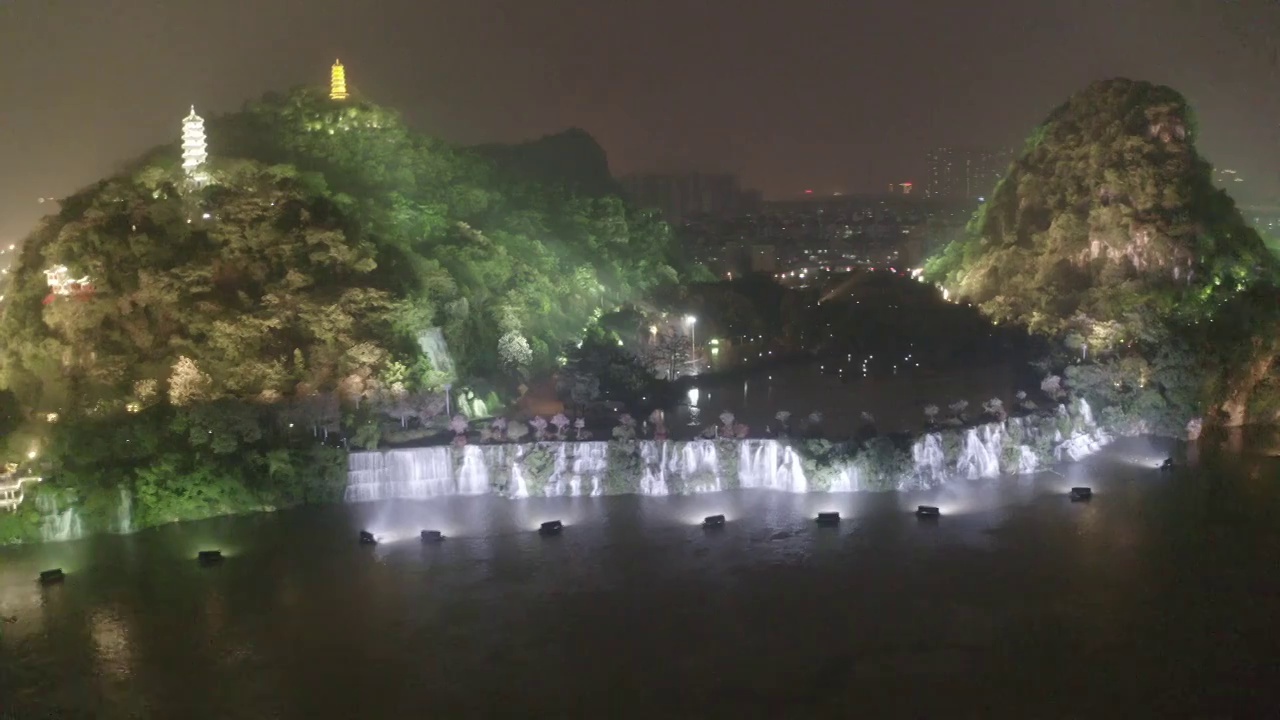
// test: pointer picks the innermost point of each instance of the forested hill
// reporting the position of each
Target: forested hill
(1108, 234)
(328, 239)
(571, 159)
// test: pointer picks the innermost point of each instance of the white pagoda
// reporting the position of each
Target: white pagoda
(194, 149)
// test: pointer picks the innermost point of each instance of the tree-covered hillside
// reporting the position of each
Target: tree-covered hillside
(191, 340)
(1108, 235)
(329, 239)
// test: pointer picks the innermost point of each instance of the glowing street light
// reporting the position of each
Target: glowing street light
(692, 322)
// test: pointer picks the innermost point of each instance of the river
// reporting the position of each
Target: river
(842, 390)
(1158, 598)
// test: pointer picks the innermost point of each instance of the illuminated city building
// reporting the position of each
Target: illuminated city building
(964, 174)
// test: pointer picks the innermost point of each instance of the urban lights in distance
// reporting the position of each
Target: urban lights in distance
(337, 81)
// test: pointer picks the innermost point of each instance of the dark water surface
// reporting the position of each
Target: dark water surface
(1160, 598)
(896, 398)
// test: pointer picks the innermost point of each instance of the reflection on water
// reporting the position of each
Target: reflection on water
(1158, 598)
(896, 401)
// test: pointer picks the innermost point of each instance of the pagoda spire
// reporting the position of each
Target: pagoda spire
(338, 81)
(194, 148)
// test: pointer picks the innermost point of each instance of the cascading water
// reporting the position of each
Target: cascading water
(1027, 460)
(57, 525)
(473, 475)
(929, 458)
(653, 458)
(1086, 413)
(124, 512)
(437, 350)
(770, 465)
(1080, 446)
(980, 451)
(519, 487)
(1082, 443)
(415, 474)
(666, 467)
(849, 480)
(697, 464)
(576, 462)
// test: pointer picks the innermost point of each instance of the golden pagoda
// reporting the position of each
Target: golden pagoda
(338, 81)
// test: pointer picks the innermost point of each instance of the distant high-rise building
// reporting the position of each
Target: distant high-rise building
(681, 196)
(969, 174)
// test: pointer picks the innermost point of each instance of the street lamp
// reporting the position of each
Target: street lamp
(692, 322)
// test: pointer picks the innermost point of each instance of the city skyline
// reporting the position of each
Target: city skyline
(666, 91)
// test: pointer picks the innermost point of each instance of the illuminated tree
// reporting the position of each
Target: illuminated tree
(668, 354)
(187, 382)
(514, 350)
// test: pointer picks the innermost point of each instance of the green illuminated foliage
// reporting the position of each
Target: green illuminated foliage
(1108, 235)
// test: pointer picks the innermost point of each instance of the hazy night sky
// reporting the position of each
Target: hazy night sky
(828, 94)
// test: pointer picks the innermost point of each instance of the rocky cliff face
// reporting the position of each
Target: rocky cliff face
(1108, 235)
(1109, 204)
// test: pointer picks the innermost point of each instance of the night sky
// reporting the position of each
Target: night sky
(827, 94)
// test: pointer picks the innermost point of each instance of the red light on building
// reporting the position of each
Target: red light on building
(808, 192)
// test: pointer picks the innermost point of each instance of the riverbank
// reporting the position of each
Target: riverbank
(552, 468)
(563, 468)
(1162, 579)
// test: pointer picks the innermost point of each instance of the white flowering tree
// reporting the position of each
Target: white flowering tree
(994, 408)
(1023, 402)
(459, 427)
(517, 431)
(560, 422)
(626, 428)
(931, 414)
(539, 424)
(514, 350)
(1052, 386)
(187, 382)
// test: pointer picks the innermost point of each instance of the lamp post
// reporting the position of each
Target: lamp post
(692, 322)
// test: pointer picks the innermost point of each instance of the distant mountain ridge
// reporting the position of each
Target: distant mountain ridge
(571, 159)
